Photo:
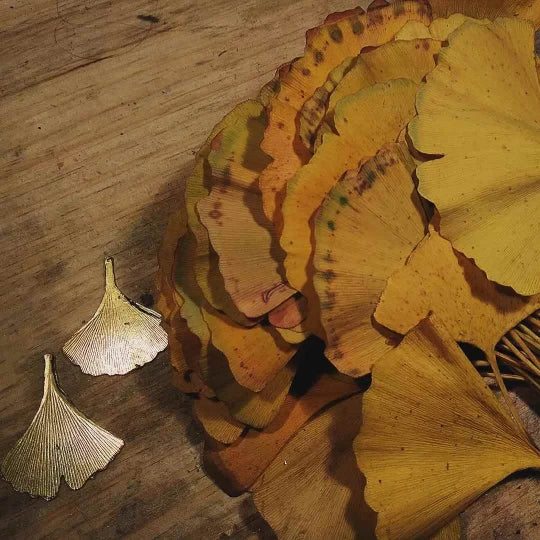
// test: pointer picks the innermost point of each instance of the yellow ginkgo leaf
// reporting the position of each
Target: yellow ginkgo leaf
(313, 488)
(367, 226)
(483, 117)
(342, 36)
(489, 9)
(319, 463)
(473, 309)
(364, 122)
(451, 531)
(397, 59)
(438, 280)
(439, 29)
(212, 378)
(433, 436)
(413, 30)
(243, 238)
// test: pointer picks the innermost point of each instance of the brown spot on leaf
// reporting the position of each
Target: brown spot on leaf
(375, 19)
(357, 27)
(329, 275)
(336, 34)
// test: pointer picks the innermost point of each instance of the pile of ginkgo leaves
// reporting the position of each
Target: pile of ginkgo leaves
(370, 216)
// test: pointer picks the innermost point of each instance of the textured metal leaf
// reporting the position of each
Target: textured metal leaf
(60, 442)
(120, 336)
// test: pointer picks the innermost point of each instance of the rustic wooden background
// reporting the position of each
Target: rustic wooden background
(102, 106)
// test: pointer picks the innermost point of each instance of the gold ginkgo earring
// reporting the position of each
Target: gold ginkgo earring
(121, 335)
(60, 441)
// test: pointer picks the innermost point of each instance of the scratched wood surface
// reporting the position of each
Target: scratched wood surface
(102, 105)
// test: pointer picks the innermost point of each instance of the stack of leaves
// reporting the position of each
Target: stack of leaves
(375, 206)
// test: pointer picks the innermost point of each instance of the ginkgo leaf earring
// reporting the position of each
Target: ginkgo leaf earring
(60, 441)
(119, 337)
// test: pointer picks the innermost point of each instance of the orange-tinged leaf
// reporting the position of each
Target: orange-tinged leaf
(243, 238)
(271, 88)
(483, 118)
(434, 437)
(243, 347)
(367, 226)
(235, 468)
(327, 47)
(198, 186)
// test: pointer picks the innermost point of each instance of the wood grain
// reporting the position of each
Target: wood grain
(102, 105)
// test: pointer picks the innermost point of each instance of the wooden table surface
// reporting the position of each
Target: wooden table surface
(102, 106)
